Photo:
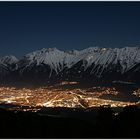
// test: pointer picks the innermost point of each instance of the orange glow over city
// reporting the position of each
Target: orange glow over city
(58, 97)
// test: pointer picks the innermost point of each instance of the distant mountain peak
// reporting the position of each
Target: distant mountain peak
(49, 49)
(8, 59)
(92, 62)
(72, 52)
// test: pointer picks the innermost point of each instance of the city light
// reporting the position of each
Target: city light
(58, 97)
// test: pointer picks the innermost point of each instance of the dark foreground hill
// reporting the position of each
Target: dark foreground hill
(107, 125)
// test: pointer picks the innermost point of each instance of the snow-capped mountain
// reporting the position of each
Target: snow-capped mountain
(8, 60)
(52, 57)
(91, 63)
(7, 64)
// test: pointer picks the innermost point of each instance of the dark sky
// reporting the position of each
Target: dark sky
(28, 26)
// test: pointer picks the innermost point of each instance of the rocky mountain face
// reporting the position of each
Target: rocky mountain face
(91, 64)
(7, 65)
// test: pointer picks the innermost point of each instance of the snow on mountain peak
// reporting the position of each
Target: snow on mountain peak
(8, 59)
(98, 59)
(93, 61)
(52, 57)
(72, 52)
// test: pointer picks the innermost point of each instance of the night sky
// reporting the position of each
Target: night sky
(29, 26)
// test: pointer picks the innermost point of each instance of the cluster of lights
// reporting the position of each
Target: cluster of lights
(57, 97)
(137, 92)
(99, 91)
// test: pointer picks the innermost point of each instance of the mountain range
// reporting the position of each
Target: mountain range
(91, 65)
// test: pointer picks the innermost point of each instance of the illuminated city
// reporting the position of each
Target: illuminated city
(60, 97)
